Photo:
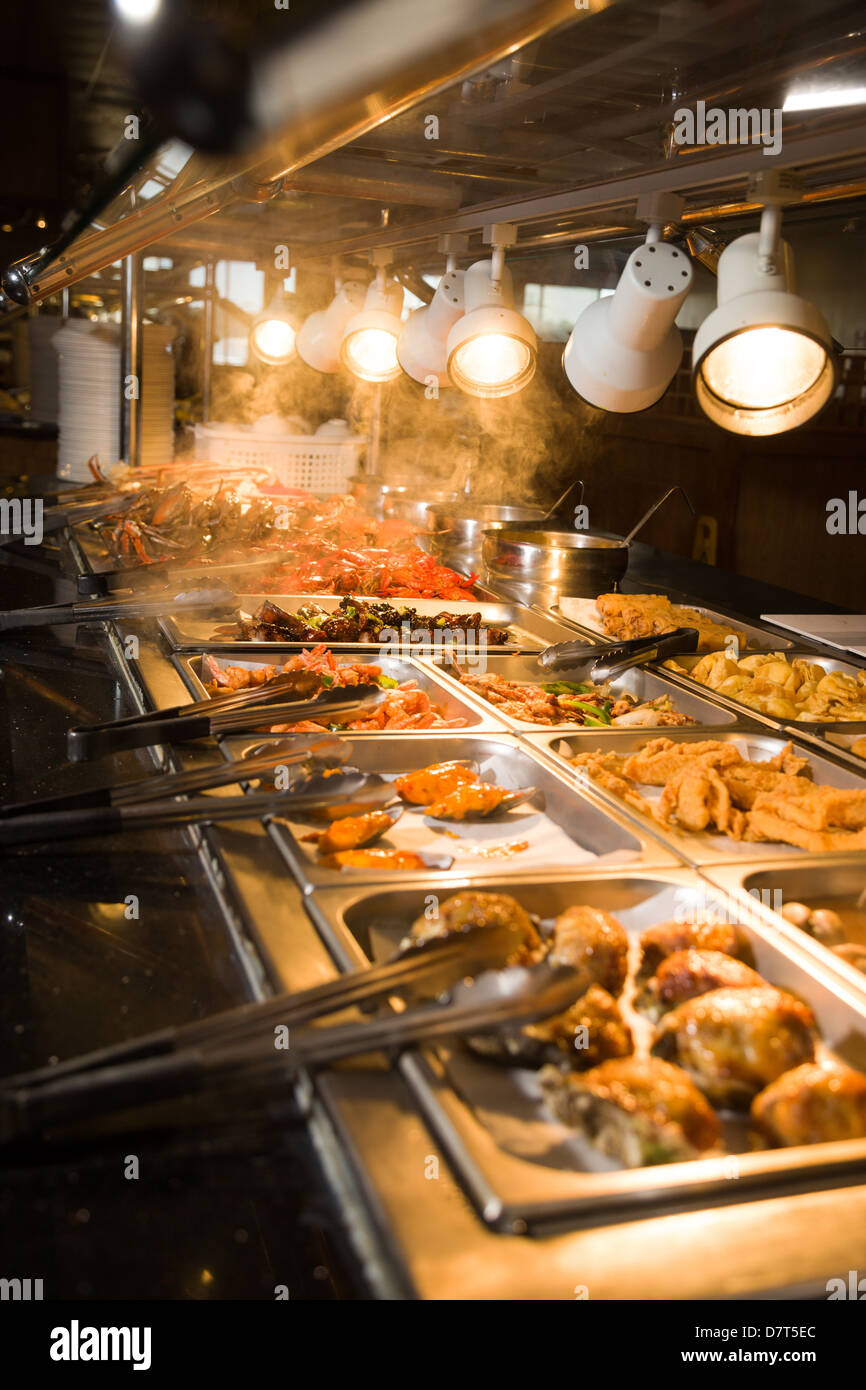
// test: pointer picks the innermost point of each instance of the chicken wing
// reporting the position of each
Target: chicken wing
(733, 1042)
(638, 1110)
(812, 1104)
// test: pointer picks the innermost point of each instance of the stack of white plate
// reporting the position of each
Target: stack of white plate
(90, 395)
(43, 367)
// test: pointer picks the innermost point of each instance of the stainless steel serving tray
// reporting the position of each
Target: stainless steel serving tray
(836, 881)
(191, 667)
(531, 630)
(580, 611)
(699, 848)
(520, 1168)
(571, 832)
(689, 660)
(642, 684)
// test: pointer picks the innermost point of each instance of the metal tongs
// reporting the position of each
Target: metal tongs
(216, 597)
(70, 513)
(239, 1047)
(242, 712)
(604, 661)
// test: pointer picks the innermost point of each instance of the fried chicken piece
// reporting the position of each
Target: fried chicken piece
(765, 824)
(734, 1042)
(689, 974)
(644, 615)
(475, 799)
(432, 783)
(816, 808)
(593, 943)
(666, 938)
(591, 1031)
(351, 832)
(662, 758)
(637, 1110)
(604, 768)
(812, 1104)
(697, 799)
(464, 910)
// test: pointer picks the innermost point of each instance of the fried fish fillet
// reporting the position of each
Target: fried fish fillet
(661, 758)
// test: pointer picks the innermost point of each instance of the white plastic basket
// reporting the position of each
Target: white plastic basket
(310, 462)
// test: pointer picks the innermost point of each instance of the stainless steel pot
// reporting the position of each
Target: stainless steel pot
(541, 563)
(457, 530)
(412, 504)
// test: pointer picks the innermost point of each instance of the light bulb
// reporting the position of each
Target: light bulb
(273, 340)
(372, 354)
(492, 360)
(763, 367)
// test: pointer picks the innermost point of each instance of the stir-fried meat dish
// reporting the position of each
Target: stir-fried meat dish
(733, 1042)
(593, 942)
(646, 615)
(812, 1104)
(434, 783)
(668, 938)
(571, 702)
(638, 1110)
(709, 786)
(690, 973)
(355, 620)
(771, 683)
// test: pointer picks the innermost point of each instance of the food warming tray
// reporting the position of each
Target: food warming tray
(837, 882)
(192, 669)
(521, 1168)
(689, 660)
(582, 612)
(698, 848)
(567, 831)
(530, 629)
(643, 684)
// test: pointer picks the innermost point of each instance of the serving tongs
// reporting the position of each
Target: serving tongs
(56, 517)
(604, 661)
(242, 1047)
(242, 712)
(164, 786)
(216, 597)
(163, 812)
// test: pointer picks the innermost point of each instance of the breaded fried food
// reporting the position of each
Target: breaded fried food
(645, 615)
(666, 938)
(661, 758)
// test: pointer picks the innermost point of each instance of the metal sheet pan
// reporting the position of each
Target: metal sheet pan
(836, 882)
(523, 1170)
(581, 611)
(442, 694)
(530, 630)
(643, 684)
(689, 660)
(570, 831)
(700, 849)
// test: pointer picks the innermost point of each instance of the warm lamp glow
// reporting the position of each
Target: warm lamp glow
(273, 340)
(492, 360)
(372, 354)
(763, 367)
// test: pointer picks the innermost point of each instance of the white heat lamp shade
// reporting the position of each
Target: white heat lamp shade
(763, 359)
(625, 348)
(369, 346)
(492, 348)
(421, 349)
(320, 335)
(272, 334)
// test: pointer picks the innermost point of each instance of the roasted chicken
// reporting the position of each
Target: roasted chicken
(638, 1110)
(591, 1031)
(733, 1042)
(688, 974)
(594, 943)
(662, 940)
(469, 909)
(812, 1104)
(433, 783)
